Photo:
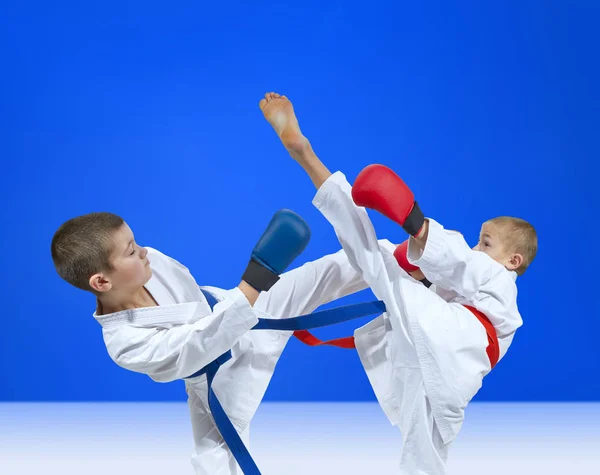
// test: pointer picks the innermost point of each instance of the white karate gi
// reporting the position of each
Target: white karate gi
(181, 335)
(426, 356)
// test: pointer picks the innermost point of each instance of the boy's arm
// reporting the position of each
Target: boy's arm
(167, 354)
(449, 262)
(178, 352)
(446, 260)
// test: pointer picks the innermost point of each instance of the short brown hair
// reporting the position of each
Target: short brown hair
(520, 236)
(82, 247)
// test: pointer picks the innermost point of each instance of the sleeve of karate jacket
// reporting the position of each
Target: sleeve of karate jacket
(167, 354)
(450, 263)
(302, 290)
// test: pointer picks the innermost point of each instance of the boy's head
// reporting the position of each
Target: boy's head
(510, 241)
(97, 252)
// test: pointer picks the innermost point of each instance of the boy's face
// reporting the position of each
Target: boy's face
(131, 265)
(491, 243)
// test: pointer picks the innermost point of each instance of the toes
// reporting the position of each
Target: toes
(269, 96)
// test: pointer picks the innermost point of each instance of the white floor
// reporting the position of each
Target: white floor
(292, 439)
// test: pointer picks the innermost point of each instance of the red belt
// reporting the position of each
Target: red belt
(492, 350)
(308, 338)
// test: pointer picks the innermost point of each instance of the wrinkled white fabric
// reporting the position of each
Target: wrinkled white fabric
(182, 335)
(425, 357)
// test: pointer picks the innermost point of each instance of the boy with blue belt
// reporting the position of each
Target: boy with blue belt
(156, 320)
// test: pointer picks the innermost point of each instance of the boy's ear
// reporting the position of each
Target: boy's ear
(99, 283)
(515, 261)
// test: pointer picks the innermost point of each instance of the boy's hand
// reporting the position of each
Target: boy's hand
(284, 239)
(378, 187)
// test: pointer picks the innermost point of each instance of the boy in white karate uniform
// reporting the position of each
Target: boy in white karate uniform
(156, 320)
(427, 355)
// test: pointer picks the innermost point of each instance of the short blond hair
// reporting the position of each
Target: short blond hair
(518, 236)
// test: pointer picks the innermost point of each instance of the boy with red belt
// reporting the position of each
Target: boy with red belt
(427, 355)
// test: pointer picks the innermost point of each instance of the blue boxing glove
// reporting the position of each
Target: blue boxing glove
(284, 239)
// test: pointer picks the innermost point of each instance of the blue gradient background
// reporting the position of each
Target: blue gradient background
(150, 111)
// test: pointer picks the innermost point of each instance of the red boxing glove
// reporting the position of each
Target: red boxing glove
(401, 255)
(378, 187)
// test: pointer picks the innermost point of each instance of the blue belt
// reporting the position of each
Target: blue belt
(303, 322)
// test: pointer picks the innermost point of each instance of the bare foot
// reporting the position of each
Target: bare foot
(279, 112)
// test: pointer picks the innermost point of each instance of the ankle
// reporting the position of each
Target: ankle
(300, 149)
